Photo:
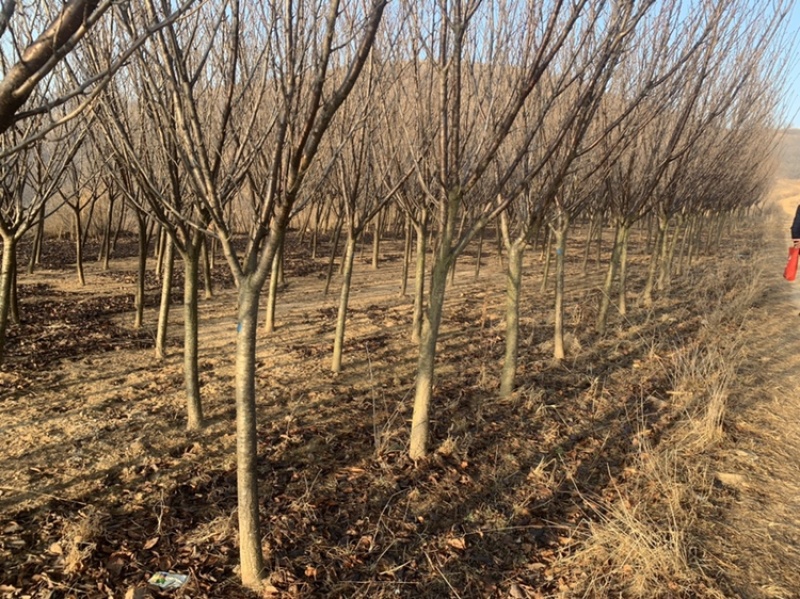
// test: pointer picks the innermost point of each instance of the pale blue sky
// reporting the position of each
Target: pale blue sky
(792, 91)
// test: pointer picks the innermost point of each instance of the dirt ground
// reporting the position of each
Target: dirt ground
(101, 486)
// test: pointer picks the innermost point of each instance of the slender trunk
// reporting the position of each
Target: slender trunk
(336, 234)
(272, 294)
(406, 257)
(208, 284)
(141, 272)
(599, 252)
(79, 246)
(9, 266)
(547, 250)
(341, 319)
(687, 231)
(666, 263)
(479, 255)
(14, 308)
(36, 250)
(117, 231)
(623, 270)
(560, 235)
(513, 287)
(166, 300)
(376, 243)
(105, 242)
(605, 298)
(251, 558)
(191, 262)
(652, 269)
(160, 243)
(419, 279)
(420, 418)
(587, 247)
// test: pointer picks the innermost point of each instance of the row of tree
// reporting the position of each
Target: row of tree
(225, 122)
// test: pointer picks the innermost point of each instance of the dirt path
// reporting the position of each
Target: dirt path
(758, 539)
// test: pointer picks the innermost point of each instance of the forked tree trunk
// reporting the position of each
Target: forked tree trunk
(611, 273)
(508, 374)
(341, 318)
(141, 271)
(191, 262)
(420, 418)
(652, 269)
(9, 265)
(166, 300)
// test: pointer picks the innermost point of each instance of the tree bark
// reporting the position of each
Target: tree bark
(623, 270)
(76, 210)
(341, 319)
(406, 257)
(250, 553)
(141, 270)
(9, 265)
(272, 294)
(419, 280)
(558, 318)
(191, 262)
(508, 374)
(611, 273)
(166, 300)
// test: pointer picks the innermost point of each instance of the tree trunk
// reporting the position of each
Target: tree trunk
(376, 242)
(547, 251)
(652, 269)
(105, 242)
(561, 254)
(420, 418)
(336, 234)
(141, 270)
(406, 257)
(272, 294)
(79, 246)
(516, 252)
(419, 279)
(208, 284)
(341, 319)
(665, 271)
(623, 270)
(479, 256)
(9, 266)
(611, 273)
(250, 553)
(38, 239)
(191, 262)
(166, 300)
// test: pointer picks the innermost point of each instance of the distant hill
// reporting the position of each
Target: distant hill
(790, 155)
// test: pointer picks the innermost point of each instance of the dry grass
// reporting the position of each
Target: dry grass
(646, 540)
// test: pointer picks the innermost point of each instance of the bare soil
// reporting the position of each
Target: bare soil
(101, 486)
